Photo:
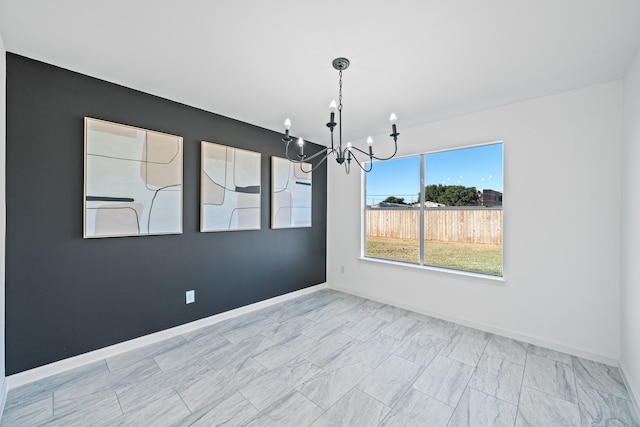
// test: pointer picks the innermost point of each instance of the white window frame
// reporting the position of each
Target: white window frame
(421, 265)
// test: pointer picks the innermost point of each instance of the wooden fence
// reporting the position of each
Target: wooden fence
(441, 224)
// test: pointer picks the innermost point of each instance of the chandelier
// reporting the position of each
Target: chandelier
(344, 154)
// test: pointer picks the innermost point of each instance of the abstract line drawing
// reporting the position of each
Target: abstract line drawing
(290, 194)
(132, 181)
(229, 188)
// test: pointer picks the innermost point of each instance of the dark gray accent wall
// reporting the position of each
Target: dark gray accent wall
(66, 295)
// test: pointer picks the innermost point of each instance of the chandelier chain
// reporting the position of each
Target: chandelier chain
(340, 92)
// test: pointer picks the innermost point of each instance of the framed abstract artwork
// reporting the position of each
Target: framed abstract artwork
(229, 188)
(132, 181)
(290, 194)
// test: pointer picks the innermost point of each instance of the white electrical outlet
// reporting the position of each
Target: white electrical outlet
(190, 297)
(342, 269)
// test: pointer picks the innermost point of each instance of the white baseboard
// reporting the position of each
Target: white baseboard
(503, 332)
(3, 395)
(634, 392)
(40, 372)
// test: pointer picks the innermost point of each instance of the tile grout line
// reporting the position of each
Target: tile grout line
(575, 384)
(377, 400)
(526, 358)
(524, 366)
(497, 398)
(466, 387)
(119, 404)
(182, 399)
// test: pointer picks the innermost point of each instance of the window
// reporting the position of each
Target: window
(392, 216)
(440, 209)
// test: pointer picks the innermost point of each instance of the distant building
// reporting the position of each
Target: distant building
(490, 198)
(429, 204)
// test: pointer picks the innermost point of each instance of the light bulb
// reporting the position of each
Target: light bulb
(369, 141)
(300, 142)
(333, 106)
(393, 118)
(349, 146)
(287, 124)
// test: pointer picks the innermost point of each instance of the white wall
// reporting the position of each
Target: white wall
(630, 290)
(3, 145)
(561, 226)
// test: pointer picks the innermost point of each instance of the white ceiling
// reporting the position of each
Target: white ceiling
(263, 61)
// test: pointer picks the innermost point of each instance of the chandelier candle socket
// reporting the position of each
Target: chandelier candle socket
(343, 155)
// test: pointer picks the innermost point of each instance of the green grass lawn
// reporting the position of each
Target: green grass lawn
(475, 257)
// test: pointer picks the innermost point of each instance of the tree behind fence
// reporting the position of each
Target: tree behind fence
(446, 225)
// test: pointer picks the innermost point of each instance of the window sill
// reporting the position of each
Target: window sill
(485, 277)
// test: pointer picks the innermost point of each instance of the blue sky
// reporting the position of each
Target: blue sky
(479, 167)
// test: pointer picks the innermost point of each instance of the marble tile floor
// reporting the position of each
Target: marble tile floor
(330, 359)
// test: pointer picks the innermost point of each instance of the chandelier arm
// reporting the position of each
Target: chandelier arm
(391, 156)
(357, 149)
(307, 159)
(313, 167)
(326, 150)
(360, 164)
(286, 148)
(286, 152)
